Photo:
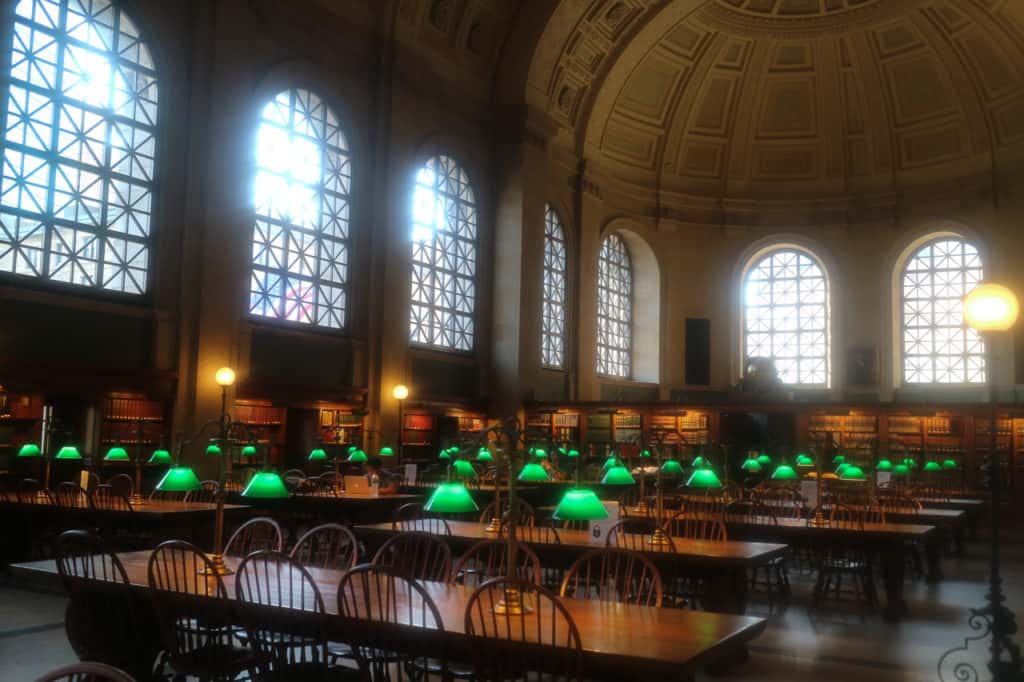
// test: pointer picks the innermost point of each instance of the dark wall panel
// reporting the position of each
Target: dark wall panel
(443, 379)
(629, 394)
(300, 360)
(698, 351)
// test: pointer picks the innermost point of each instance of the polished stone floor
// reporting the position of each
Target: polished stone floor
(838, 644)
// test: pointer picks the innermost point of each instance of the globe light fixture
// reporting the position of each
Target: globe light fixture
(225, 376)
(990, 307)
(400, 392)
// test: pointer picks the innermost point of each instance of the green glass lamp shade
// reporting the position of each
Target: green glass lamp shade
(765, 460)
(68, 452)
(453, 450)
(852, 473)
(841, 468)
(443, 455)
(463, 469)
(932, 466)
(949, 464)
(266, 485)
(838, 459)
(803, 460)
(579, 505)
(484, 455)
(213, 449)
(901, 470)
(751, 466)
(386, 452)
(883, 465)
(618, 475)
(609, 463)
(540, 453)
(784, 472)
(317, 454)
(249, 451)
(573, 453)
(672, 468)
(179, 480)
(160, 457)
(533, 472)
(357, 456)
(351, 449)
(29, 450)
(645, 453)
(450, 498)
(704, 478)
(700, 463)
(116, 454)
(910, 462)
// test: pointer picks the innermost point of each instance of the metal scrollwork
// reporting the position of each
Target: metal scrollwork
(965, 670)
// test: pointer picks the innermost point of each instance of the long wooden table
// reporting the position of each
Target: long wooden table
(619, 641)
(722, 565)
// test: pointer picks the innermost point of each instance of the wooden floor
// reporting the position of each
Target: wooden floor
(839, 644)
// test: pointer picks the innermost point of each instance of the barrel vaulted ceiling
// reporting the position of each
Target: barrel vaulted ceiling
(770, 99)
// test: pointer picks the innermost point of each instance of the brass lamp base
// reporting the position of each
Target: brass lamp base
(217, 566)
(136, 499)
(512, 604)
(818, 520)
(658, 538)
(494, 526)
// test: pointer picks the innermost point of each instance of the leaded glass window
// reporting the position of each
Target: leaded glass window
(79, 145)
(554, 306)
(937, 348)
(614, 308)
(786, 316)
(444, 228)
(300, 243)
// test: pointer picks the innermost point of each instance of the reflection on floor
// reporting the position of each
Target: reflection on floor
(837, 644)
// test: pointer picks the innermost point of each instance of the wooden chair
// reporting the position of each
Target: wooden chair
(29, 490)
(636, 535)
(293, 479)
(122, 484)
(92, 480)
(375, 594)
(527, 514)
(489, 559)
(87, 672)
(295, 644)
(844, 568)
(543, 534)
(167, 496)
(101, 620)
(416, 556)
(772, 578)
(193, 615)
(411, 518)
(71, 496)
(710, 506)
(614, 575)
(543, 644)
(207, 494)
(254, 535)
(702, 527)
(785, 503)
(104, 497)
(330, 545)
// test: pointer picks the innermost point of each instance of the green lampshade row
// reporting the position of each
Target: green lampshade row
(179, 480)
(540, 453)
(444, 455)
(160, 457)
(116, 454)
(883, 465)
(609, 463)
(266, 485)
(804, 460)
(700, 462)
(672, 468)
(452, 498)
(837, 460)
(533, 472)
(841, 468)
(932, 466)
(68, 452)
(29, 450)
(579, 505)
(784, 472)
(387, 452)
(901, 470)
(357, 456)
(249, 451)
(317, 454)
(704, 478)
(645, 453)
(764, 460)
(213, 449)
(852, 473)
(751, 466)
(351, 449)
(574, 453)
(949, 464)
(484, 455)
(463, 469)
(618, 475)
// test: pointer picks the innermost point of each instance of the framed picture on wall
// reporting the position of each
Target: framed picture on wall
(862, 367)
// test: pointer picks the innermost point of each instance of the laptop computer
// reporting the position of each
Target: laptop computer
(357, 485)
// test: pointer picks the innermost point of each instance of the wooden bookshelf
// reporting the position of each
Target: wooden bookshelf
(132, 420)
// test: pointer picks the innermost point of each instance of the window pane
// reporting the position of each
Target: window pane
(785, 316)
(79, 147)
(937, 349)
(614, 309)
(300, 237)
(554, 303)
(443, 285)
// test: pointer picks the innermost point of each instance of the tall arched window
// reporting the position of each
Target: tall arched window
(614, 308)
(786, 315)
(937, 349)
(78, 147)
(554, 302)
(301, 195)
(443, 257)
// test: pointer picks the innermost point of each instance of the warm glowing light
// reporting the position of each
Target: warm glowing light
(400, 392)
(990, 308)
(225, 377)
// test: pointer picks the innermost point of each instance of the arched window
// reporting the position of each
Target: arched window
(554, 306)
(443, 257)
(786, 315)
(614, 308)
(78, 147)
(937, 349)
(301, 195)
